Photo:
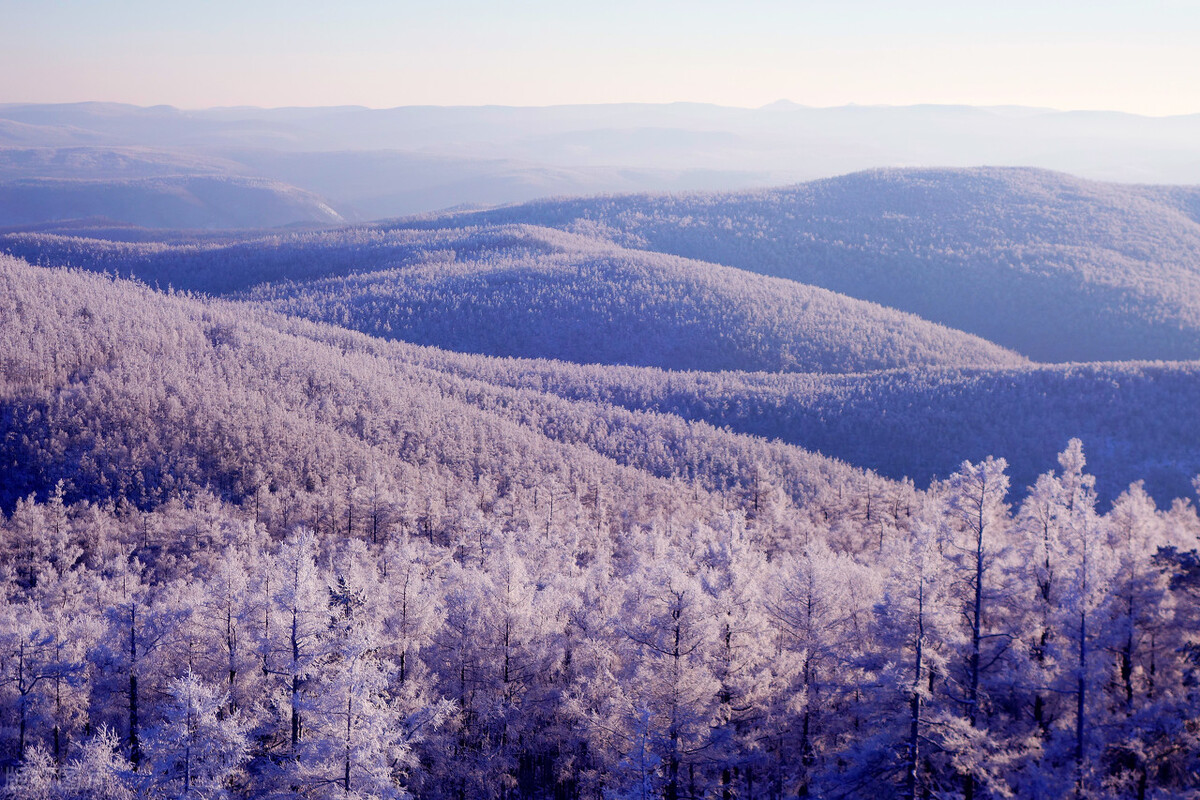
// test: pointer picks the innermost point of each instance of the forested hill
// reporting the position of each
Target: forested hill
(577, 294)
(1052, 266)
(125, 394)
(586, 302)
(537, 292)
(254, 556)
(251, 555)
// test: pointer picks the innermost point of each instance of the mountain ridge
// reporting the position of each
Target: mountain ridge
(497, 154)
(1025, 258)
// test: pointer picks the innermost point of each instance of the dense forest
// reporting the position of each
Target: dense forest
(538, 293)
(528, 505)
(589, 303)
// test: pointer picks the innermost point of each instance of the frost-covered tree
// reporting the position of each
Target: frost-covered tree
(977, 544)
(917, 626)
(354, 740)
(671, 686)
(815, 601)
(98, 770)
(1081, 566)
(294, 642)
(198, 746)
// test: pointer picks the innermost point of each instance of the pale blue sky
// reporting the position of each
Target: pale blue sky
(1142, 57)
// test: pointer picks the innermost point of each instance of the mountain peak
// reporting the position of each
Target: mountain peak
(782, 104)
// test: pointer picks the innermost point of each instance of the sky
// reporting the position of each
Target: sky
(1140, 57)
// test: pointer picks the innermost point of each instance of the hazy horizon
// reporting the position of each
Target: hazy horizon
(1070, 56)
(780, 102)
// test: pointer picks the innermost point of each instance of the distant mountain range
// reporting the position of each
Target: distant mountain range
(198, 201)
(368, 164)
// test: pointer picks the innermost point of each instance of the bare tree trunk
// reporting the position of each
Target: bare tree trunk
(1081, 700)
(976, 638)
(349, 718)
(914, 729)
(135, 746)
(295, 684)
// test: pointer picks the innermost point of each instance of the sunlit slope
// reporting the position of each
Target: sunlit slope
(568, 298)
(1055, 267)
(537, 292)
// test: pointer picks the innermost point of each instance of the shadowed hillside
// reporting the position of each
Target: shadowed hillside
(126, 394)
(569, 298)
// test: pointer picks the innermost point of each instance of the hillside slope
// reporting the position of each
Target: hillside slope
(235, 508)
(569, 298)
(525, 291)
(129, 395)
(1054, 267)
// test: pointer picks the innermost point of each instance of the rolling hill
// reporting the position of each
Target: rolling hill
(1054, 267)
(573, 299)
(1137, 420)
(525, 291)
(1063, 268)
